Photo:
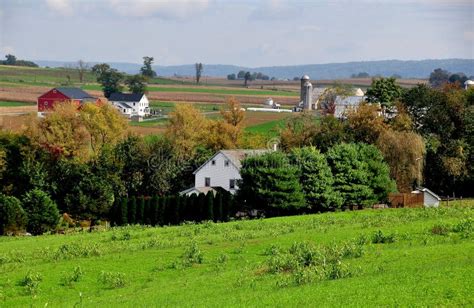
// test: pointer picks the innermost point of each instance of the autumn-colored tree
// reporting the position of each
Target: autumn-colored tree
(233, 116)
(365, 123)
(299, 132)
(404, 152)
(104, 124)
(186, 129)
(61, 132)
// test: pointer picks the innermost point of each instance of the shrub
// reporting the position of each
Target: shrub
(31, 282)
(12, 216)
(192, 255)
(123, 212)
(147, 212)
(70, 278)
(379, 238)
(155, 203)
(43, 214)
(218, 208)
(112, 280)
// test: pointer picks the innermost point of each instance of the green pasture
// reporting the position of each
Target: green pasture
(14, 104)
(392, 257)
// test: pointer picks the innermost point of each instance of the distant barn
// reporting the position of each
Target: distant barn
(47, 101)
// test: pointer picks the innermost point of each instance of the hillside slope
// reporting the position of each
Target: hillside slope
(397, 257)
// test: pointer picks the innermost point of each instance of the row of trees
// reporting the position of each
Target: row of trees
(348, 174)
(173, 209)
(247, 76)
(440, 77)
(12, 60)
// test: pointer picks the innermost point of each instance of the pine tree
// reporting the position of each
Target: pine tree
(132, 210)
(178, 209)
(201, 207)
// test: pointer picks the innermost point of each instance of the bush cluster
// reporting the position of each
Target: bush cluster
(172, 210)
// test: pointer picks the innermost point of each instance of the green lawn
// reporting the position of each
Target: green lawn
(418, 265)
(14, 104)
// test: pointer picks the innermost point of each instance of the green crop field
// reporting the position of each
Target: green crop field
(151, 123)
(392, 257)
(14, 104)
(270, 128)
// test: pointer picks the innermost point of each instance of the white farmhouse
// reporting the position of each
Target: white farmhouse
(221, 171)
(430, 199)
(131, 104)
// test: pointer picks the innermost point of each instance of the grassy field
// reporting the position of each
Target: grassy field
(270, 128)
(14, 104)
(394, 257)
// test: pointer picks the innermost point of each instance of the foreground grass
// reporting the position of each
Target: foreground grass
(228, 264)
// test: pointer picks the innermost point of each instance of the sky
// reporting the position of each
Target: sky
(239, 32)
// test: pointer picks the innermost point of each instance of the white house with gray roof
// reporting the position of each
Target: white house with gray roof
(221, 171)
(131, 104)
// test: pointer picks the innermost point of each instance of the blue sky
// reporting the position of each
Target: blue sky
(250, 33)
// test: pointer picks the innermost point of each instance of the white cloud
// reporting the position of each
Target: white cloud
(63, 7)
(163, 8)
(309, 28)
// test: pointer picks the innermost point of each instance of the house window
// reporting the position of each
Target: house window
(213, 162)
(207, 182)
(232, 184)
(226, 163)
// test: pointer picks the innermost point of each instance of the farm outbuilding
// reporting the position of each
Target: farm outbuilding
(48, 100)
(430, 199)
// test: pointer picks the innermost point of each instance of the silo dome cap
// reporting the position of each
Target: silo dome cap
(468, 82)
(305, 77)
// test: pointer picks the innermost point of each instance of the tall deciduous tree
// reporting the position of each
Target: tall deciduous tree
(147, 69)
(384, 91)
(136, 84)
(438, 77)
(199, 68)
(82, 68)
(108, 77)
(186, 128)
(404, 152)
(104, 123)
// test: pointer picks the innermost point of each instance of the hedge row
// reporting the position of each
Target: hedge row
(172, 210)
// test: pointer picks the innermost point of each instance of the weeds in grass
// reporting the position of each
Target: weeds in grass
(70, 278)
(380, 238)
(74, 250)
(440, 229)
(192, 255)
(31, 282)
(112, 280)
(303, 263)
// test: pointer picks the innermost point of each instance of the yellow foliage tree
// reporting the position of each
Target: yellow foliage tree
(186, 129)
(106, 126)
(61, 132)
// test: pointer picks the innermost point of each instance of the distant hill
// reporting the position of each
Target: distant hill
(406, 69)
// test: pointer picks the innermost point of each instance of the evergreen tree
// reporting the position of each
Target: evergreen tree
(178, 209)
(123, 212)
(316, 178)
(132, 210)
(12, 216)
(155, 204)
(147, 213)
(42, 212)
(218, 209)
(271, 183)
(210, 206)
(140, 210)
(201, 207)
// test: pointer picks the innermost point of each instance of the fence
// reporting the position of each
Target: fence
(406, 200)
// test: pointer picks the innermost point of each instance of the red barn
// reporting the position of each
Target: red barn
(47, 101)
